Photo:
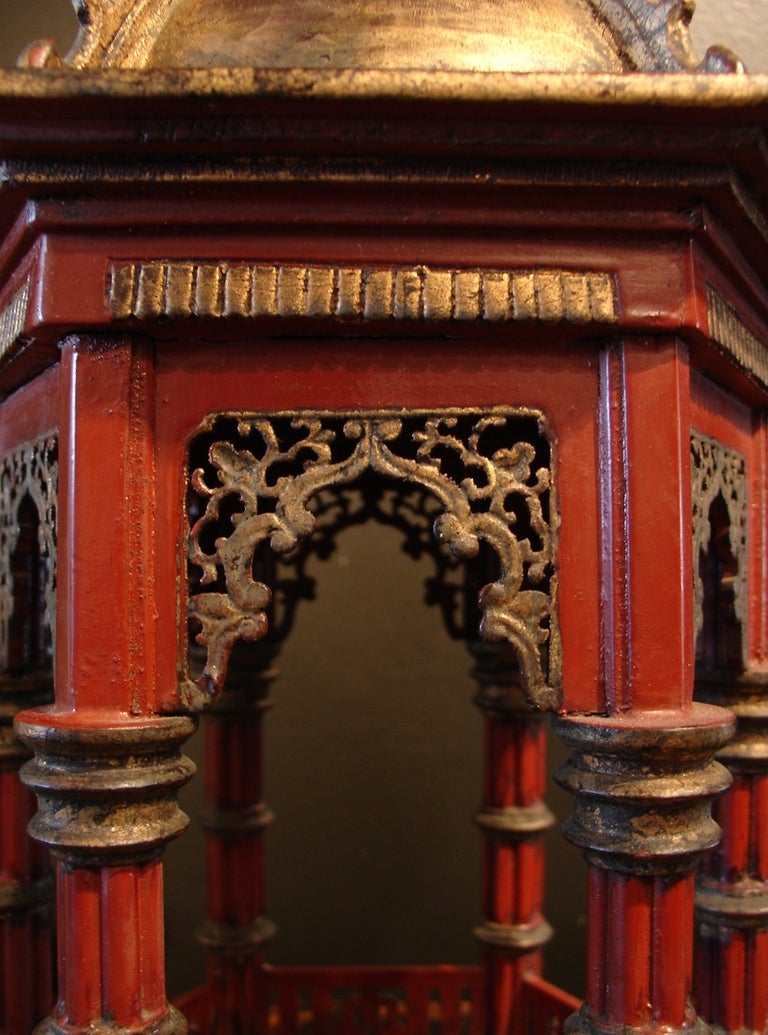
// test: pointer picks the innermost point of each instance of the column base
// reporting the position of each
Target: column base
(174, 1023)
(583, 1022)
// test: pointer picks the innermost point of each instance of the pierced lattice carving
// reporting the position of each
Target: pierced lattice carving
(717, 471)
(492, 485)
(32, 470)
(407, 509)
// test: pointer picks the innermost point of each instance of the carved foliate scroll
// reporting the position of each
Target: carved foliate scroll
(719, 473)
(655, 35)
(29, 472)
(407, 510)
(490, 473)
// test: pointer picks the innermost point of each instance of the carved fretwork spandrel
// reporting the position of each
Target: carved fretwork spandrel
(489, 472)
(450, 586)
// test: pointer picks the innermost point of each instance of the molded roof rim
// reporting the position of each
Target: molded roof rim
(667, 90)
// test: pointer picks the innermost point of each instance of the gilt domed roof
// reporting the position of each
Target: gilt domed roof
(607, 36)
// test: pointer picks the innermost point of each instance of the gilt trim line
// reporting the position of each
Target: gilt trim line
(728, 331)
(216, 290)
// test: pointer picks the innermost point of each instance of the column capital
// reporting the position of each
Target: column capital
(107, 794)
(644, 784)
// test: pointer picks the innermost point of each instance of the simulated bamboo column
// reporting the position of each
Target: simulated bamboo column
(26, 887)
(235, 819)
(513, 819)
(732, 894)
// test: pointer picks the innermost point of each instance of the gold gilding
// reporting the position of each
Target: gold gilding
(182, 289)
(458, 35)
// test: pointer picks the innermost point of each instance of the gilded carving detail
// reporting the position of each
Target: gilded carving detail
(491, 487)
(183, 290)
(32, 470)
(12, 320)
(465, 35)
(719, 471)
(739, 342)
(656, 35)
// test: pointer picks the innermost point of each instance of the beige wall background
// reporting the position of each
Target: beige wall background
(373, 858)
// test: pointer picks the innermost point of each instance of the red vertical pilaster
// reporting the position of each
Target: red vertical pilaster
(644, 773)
(107, 769)
(513, 819)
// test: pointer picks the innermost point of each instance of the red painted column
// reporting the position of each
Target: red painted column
(732, 895)
(26, 889)
(643, 772)
(107, 767)
(513, 819)
(644, 786)
(107, 806)
(235, 819)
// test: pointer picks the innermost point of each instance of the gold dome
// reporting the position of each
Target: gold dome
(608, 36)
(452, 35)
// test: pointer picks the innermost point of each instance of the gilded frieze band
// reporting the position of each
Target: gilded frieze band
(731, 334)
(12, 320)
(215, 290)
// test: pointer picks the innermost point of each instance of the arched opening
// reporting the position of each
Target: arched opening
(373, 764)
(30, 647)
(375, 825)
(719, 644)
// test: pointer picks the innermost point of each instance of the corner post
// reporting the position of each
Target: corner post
(643, 767)
(107, 766)
(644, 786)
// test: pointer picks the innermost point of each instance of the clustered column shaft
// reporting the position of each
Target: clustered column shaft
(107, 807)
(732, 893)
(26, 888)
(644, 784)
(513, 819)
(235, 818)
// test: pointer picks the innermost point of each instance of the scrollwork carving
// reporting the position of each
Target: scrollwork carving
(656, 35)
(490, 483)
(31, 471)
(717, 471)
